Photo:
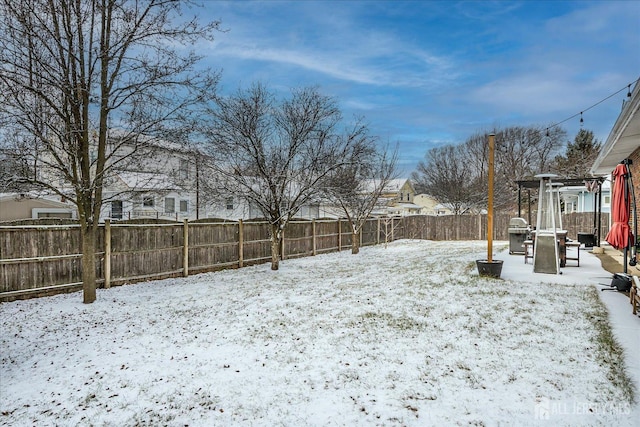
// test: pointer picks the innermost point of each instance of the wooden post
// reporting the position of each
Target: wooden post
(490, 204)
(313, 237)
(378, 233)
(185, 249)
(107, 253)
(282, 244)
(240, 244)
(393, 226)
(339, 235)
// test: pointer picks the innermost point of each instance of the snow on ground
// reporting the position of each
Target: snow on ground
(409, 335)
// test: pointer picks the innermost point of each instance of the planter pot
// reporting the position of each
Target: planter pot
(489, 269)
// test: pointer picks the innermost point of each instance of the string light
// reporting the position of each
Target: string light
(595, 105)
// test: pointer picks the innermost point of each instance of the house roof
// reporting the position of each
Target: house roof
(624, 137)
(45, 199)
(394, 185)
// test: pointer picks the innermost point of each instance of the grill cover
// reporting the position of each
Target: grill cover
(518, 223)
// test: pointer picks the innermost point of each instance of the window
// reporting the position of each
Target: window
(169, 205)
(184, 206)
(148, 202)
(229, 203)
(184, 169)
(607, 200)
(116, 209)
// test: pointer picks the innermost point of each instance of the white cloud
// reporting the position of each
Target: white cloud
(382, 67)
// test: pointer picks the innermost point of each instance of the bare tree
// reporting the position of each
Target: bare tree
(275, 153)
(356, 186)
(457, 175)
(445, 175)
(521, 153)
(389, 226)
(71, 68)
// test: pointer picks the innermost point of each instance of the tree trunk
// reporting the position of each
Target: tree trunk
(275, 246)
(355, 242)
(88, 263)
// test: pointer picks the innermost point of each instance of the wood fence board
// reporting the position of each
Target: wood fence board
(136, 264)
(211, 256)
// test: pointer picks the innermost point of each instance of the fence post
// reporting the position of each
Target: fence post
(313, 237)
(107, 253)
(378, 233)
(282, 244)
(240, 244)
(185, 249)
(339, 234)
(393, 227)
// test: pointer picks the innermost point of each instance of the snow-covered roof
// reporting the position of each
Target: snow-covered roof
(393, 186)
(34, 195)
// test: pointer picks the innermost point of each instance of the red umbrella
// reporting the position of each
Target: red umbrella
(620, 233)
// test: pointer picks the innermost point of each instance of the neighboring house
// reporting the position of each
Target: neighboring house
(580, 199)
(15, 206)
(397, 198)
(160, 183)
(133, 195)
(430, 206)
(173, 182)
(399, 191)
(623, 141)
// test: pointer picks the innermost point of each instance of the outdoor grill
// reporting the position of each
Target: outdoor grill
(518, 233)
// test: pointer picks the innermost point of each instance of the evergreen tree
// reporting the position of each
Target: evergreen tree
(579, 156)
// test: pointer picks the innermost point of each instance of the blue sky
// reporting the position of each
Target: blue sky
(431, 73)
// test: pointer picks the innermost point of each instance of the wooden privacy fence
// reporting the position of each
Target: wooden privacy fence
(41, 260)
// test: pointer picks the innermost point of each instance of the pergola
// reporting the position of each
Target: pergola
(597, 212)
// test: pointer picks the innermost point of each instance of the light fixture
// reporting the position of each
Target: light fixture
(629, 91)
(581, 119)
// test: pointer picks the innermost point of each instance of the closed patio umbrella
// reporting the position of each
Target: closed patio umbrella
(620, 235)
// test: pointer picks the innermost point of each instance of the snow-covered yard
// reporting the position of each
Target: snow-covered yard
(407, 335)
